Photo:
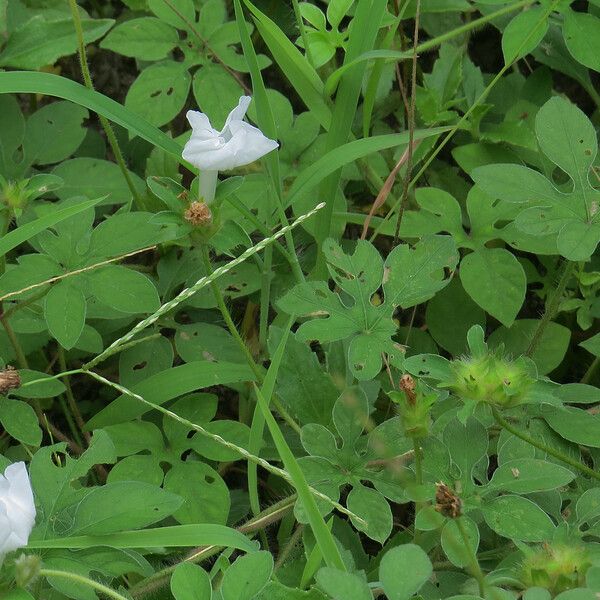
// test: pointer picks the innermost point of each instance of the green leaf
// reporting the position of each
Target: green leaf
(167, 385)
(216, 92)
(303, 387)
(52, 484)
(159, 93)
(205, 494)
(64, 310)
(523, 34)
(568, 139)
(518, 518)
(336, 11)
(374, 509)
(247, 576)
(61, 87)
(168, 537)
(454, 545)
(410, 276)
(178, 13)
(587, 508)
(582, 36)
(528, 475)
(93, 177)
(495, 279)
(60, 122)
(124, 289)
(403, 571)
(146, 38)
(340, 585)
(573, 424)
(450, 314)
(25, 232)
(20, 422)
(190, 582)
(39, 42)
(122, 505)
(548, 354)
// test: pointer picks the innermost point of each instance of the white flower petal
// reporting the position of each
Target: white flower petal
(239, 112)
(238, 144)
(17, 508)
(200, 123)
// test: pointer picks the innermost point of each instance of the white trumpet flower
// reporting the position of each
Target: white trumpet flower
(236, 145)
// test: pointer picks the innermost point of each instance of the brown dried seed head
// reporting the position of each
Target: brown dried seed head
(198, 214)
(447, 502)
(9, 379)
(407, 385)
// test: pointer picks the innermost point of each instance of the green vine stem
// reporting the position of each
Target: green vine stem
(473, 562)
(103, 589)
(108, 130)
(552, 306)
(540, 446)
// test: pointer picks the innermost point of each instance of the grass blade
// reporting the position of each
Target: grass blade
(32, 82)
(25, 232)
(325, 541)
(204, 534)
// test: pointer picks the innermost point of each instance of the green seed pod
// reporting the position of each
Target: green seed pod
(556, 567)
(490, 378)
(414, 407)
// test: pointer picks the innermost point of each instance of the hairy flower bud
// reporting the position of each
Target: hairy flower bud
(556, 567)
(490, 378)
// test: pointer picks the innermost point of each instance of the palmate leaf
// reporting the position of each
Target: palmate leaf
(408, 277)
(567, 137)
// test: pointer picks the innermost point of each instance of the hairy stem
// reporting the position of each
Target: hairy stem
(540, 446)
(473, 562)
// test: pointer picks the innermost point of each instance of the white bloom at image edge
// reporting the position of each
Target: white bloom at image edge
(236, 145)
(17, 508)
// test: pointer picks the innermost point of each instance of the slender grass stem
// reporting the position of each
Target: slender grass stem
(543, 447)
(14, 342)
(552, 306)
(303, 33)
(72, 403)
(108, 130)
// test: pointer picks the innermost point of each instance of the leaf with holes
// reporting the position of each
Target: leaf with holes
(408, 277)
(567, 137)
